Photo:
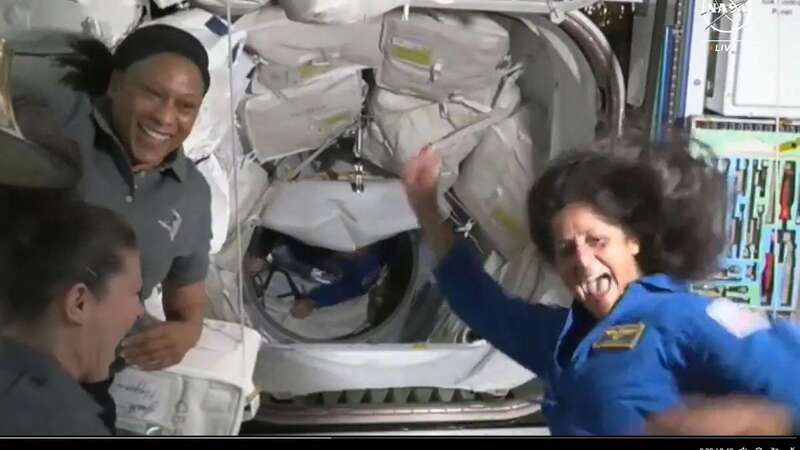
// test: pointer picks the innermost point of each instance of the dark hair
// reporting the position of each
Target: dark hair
(92, 63)
(45, 249)
(673, 203)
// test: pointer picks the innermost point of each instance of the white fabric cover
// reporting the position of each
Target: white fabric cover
(301, 369)
(238, 7)
(337, 11)
(329, 214)
(207, 393)
(106, 20)
(166, 3)
(435, 54)
(302, 118)
(293, 53)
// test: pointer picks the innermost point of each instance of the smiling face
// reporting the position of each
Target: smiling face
(595, 259)
(154, 105)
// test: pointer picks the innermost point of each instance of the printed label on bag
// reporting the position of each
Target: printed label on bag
(411, 52)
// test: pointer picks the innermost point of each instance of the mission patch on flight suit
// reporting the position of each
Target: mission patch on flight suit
(620, 337)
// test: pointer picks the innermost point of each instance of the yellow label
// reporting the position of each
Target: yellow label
(418, 56)
(337, 119)
(308, 71)
(508, 222)
(620, 337)
(789, 146)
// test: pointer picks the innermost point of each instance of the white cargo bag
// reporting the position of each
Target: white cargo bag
(253, 182)
(495, 180)
(294, 53)
(337, 11)
(210, 392)
(403, 124)
(238, 7)
(329, 214)
(302, 118)
(107, 21)
(214, 118)
(253, 179)
(222, 290)
(217, 181)
(434, 54)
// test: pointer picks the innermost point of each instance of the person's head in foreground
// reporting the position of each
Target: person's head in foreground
(69, 284)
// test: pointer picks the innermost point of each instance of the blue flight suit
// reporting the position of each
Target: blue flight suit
(354, 274)
(658, 344)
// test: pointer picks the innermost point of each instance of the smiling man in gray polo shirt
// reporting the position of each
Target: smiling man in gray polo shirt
(129, 113)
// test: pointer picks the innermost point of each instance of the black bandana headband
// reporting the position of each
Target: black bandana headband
(154, 39)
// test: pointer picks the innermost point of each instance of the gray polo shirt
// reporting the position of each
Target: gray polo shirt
(39, 398)
(169, 207)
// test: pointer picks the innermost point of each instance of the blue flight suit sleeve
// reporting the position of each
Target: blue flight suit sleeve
(358, 276)
(744, 355)
(527, 332)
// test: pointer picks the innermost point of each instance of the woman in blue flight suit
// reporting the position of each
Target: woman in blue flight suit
(624, 234)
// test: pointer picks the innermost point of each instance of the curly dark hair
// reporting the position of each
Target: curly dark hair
(91, 65)
(672, 202)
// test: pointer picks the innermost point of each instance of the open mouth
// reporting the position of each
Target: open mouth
(597, 286)
(154, 135)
